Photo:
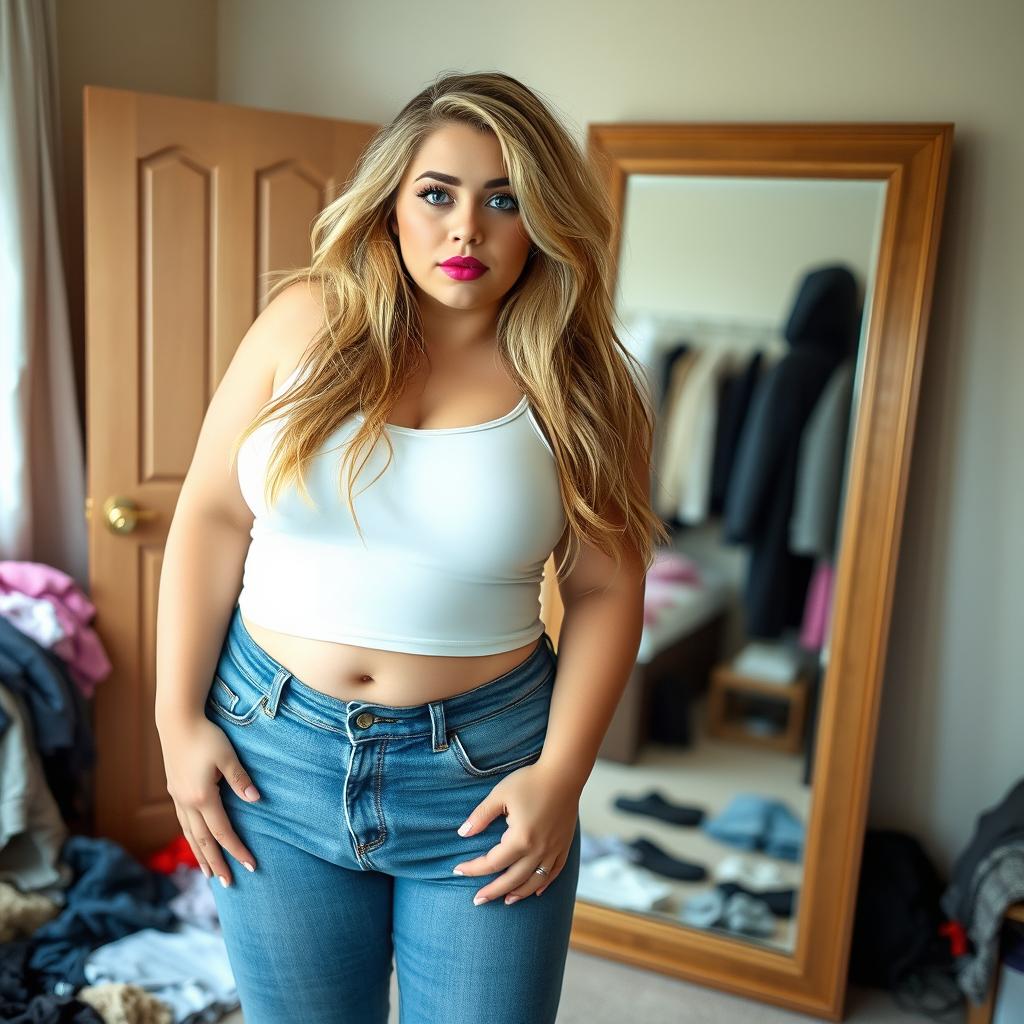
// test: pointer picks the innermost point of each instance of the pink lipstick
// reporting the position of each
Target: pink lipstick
(463, 268)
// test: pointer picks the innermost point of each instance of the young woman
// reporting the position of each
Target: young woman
(350, 659)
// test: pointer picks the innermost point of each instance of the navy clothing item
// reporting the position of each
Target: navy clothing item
(23, 1002)
(759, 503)
(737, 390)
(998, 825)
(112, 895)
(668, 360)
(38, 676)
(59, 716)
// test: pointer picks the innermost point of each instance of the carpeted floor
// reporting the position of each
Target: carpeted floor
(599, 991)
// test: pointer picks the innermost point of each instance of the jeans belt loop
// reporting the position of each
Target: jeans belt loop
(280, 678)
(438, 730)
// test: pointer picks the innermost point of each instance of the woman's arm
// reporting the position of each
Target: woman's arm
(199, 582)
(597, 646)
(201, 574)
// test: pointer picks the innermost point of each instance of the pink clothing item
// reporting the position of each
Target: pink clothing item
(670, 570)
(673, 565)
(662, 593)
(81, 647)
(817, 606)
(654, 601)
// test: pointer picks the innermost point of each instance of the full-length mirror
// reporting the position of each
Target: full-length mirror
(743, 298)
(774, 283)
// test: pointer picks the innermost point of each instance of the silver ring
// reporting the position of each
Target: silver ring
(541, 871)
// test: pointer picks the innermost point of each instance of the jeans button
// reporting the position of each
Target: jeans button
(365, 720)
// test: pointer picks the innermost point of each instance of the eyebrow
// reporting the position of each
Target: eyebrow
(450, 179)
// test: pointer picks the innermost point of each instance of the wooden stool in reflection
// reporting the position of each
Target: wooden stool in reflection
(720, 724)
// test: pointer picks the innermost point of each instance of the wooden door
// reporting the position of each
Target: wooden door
(187, 205)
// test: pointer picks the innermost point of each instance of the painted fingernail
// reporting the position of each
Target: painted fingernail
(477, 900)
(223, 881)
(252, 793)
(509, 900)
(465, 827)
(456, 871)
(206, 871)
(248, 865)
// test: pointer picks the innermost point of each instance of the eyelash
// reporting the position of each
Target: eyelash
(437, 188)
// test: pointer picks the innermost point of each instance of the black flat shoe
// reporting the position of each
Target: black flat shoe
(654, 805)
(654, 858)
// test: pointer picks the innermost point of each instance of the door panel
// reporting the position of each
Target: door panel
(187, 205)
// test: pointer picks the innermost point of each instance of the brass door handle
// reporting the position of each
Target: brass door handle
(122, 515)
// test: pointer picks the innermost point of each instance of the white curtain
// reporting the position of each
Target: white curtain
(42, 464)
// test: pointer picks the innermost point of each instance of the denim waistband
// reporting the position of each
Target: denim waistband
(354, 716)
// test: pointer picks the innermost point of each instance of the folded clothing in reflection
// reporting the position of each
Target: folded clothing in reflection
(616, 882)
(756, 822)
(748, 872)
(671, 565)
(656, 806)
(779, 901)
(594, 846)
(769, 662)
(737, 912)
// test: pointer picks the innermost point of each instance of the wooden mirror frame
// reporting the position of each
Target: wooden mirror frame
(913, 160)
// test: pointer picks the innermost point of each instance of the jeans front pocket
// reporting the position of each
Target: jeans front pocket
(506, 739)
(234, 698)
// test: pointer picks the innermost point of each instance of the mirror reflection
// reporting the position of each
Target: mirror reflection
(746, 301)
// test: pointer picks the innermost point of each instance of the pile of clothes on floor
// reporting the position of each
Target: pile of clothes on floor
(129, 942)
(987, 878)
(749, 895)
(87, 933)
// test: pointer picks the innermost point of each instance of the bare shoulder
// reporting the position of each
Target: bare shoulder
(294, 315)
(269, 350)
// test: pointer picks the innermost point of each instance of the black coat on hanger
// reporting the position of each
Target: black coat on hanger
(821, 332)
(735, 395)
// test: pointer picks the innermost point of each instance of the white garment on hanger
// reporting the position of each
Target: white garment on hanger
(678, 434)
(695, 490)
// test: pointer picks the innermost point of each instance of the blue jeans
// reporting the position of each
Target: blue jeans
(355, 837)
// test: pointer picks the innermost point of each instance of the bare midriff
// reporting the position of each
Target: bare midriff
(462, 388)
(369, 674)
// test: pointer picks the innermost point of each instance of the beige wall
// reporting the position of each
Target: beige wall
(144, 45)
(950, 741)
(736, 250)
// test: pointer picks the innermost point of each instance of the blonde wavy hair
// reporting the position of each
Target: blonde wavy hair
(555, 326)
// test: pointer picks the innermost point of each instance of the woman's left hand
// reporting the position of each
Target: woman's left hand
(541, 808)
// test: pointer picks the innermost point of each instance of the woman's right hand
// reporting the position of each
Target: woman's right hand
(197, 754)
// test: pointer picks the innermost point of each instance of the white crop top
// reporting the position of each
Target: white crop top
(457, 531)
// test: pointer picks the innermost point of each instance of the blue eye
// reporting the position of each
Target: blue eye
(423, 193)
(505, 195)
